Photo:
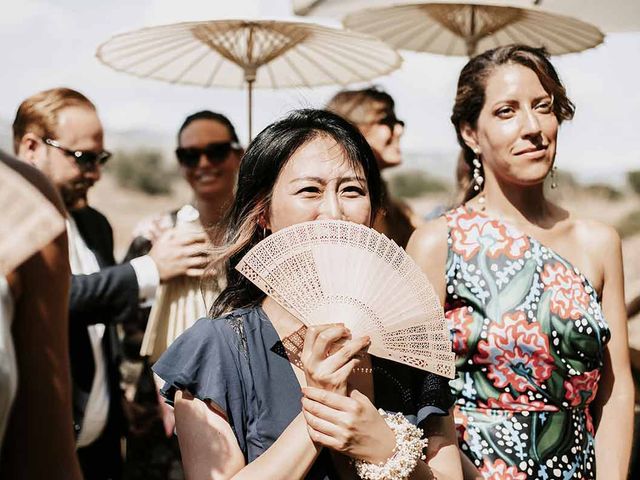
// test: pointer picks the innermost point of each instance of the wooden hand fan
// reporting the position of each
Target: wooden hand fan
(179, 302)
(336, 271)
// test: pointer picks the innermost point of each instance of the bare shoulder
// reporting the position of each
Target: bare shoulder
(430, 238)
(428, 248)
(596, 249)
(595, 237)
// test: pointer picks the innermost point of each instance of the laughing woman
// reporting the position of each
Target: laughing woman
(243, 407)
(533, 296)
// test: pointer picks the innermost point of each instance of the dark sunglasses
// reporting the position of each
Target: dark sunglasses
(215, 152)
(390, 120)
(83, 159)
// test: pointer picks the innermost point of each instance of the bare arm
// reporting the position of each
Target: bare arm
(208, 444)
(613, 405)
(210, 450)
(428, 248)
(443, 456)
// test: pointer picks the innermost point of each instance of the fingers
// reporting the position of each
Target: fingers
(322, 412)
(320, 424)
(181, 238)
(325, 339)
(325, 440)
(329, 399)
(327, 426)
(344, 355)
(195, 272)
(196, 261)
(310, 339)
(191, 238)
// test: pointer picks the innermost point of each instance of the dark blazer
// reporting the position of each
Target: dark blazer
(108, 296)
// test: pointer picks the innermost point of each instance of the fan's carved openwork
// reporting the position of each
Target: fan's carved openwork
(335, 271)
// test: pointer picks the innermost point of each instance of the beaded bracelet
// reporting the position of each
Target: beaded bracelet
(408, 450)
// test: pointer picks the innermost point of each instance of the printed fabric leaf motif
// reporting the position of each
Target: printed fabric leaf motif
(553, 434)
(514, 293)
(555, 385)
(484, 387)
(475, 332)
(544, 317)
(543, 314)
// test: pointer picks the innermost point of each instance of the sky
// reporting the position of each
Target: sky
(49, 43)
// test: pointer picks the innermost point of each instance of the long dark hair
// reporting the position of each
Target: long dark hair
(260, 167)
(470, 95)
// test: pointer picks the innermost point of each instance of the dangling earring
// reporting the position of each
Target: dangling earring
(554, 183)
(478, 180)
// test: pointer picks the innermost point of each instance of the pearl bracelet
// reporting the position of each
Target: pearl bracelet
(408, 450)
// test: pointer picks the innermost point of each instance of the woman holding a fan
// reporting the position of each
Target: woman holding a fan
(258, 396)
(533, 296)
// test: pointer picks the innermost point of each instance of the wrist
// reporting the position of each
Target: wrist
(386, 447)
(409, 450)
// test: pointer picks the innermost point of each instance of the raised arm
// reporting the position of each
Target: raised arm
(208, 444)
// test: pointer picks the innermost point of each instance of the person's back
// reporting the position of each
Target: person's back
(39, 440)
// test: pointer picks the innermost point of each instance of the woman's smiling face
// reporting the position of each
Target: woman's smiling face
(319, 182)
(517, 129)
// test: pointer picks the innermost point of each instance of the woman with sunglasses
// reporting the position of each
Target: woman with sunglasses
(372, 111)
(245, 407)
(208, 154)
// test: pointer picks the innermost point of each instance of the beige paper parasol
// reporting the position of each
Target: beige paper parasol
(28, 221)
(470, 28)
(607, 15)
(263, 54)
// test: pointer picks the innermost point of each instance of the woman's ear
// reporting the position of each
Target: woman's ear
(263, 220)
(470, 137)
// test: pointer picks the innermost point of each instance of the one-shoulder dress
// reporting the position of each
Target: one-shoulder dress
(529, 338)
(238, 363)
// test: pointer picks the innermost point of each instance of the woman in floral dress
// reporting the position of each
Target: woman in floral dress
(533, 296)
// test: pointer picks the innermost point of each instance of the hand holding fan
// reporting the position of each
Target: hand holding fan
(335, 271)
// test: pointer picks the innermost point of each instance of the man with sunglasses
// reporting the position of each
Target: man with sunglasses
(58, 131)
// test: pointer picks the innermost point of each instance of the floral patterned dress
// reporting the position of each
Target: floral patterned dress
(529, 336)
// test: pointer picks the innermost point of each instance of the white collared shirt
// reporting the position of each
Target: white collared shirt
(84, 262)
